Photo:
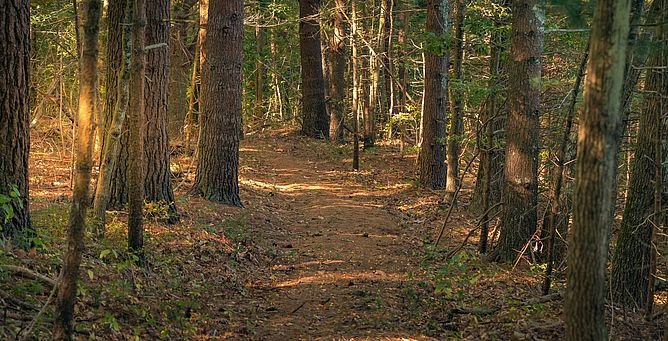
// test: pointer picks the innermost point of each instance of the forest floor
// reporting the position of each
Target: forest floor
(319, 252)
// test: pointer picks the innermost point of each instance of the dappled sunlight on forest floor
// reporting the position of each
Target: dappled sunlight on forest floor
(319, 252)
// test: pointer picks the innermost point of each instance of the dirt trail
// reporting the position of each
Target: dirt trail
(342, 257)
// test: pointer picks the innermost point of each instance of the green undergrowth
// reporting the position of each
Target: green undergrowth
(188, 264)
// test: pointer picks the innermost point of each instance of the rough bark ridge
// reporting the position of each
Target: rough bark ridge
(222, 53)
(155, 169)
(631, 261)
(314, 113)
(15, 112)
(584, 307)
(157, 183)
(136, 121)
(337, 48)
(520, 191)
(431, 161)
(67, 288)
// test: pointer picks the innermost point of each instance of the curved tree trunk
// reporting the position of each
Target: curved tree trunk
(222, 53)
(14, 117)
(67, 288)
(520, 191)
(314, 113)
(431, 161)
(584, 307)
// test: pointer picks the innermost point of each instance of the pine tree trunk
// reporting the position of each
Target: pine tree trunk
(111, 145)
(456, 101)
(157, 176)
(260, 70)
(14, 117)
(179, 71)
(431, 161)
(314, 113)
(136, 121)
(520, 194)
(584, 307)
(67, 288)
(222, 53)
(356, 86)
(631, 261)
(337, 48)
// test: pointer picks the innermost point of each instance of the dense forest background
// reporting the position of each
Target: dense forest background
(383, 169)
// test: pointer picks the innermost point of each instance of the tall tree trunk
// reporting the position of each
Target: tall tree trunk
(456, 101)
(314, 113)
(520, 195)
(431, 161)
(260, 70)
(158, 182)
(192, 117)
(111, 145)
(14, 118)
(337, 52)
(551, 224)
(584, 307)
(631, 261)
(494, 118)
(67, 288)
(222, 53)
(136, 121)
(179, 70)
(369, 132)
(356, 86)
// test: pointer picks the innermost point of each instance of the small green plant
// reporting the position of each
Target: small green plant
(7, 202)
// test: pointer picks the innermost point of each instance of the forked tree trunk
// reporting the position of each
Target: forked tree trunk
(14, 117)
(222, 53)
(314, 113)
(431, 161)
(520, 194)
(584, 307)
(67, 288)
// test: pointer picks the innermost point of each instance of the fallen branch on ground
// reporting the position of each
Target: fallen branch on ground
(492, 310)
(27, 273)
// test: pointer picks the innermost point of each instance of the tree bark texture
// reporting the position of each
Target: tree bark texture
(456, 100)
(179, 70)
(520, 173)
(631, 261)
(314, 112)
(584, 307)
(67, 288)
(111, 144)
(14, 116)
(337, 88)
(431, 161)
(157, 175)
(222, 53)
(136, 122)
